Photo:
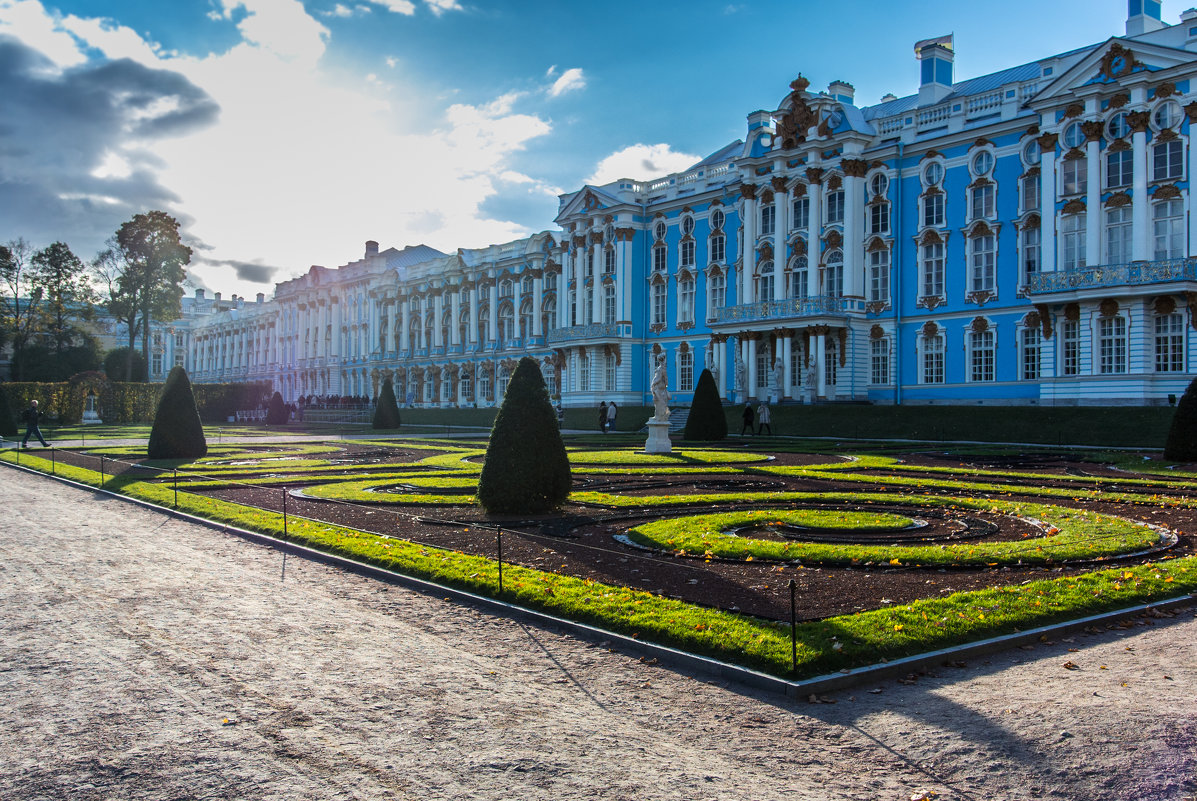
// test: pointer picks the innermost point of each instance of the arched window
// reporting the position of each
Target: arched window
(799, 277)
(833, 273)
(764, 281)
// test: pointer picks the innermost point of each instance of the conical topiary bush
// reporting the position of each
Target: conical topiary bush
(276, 411)
(386, 411)
(1182, 437)
(177, 431)
(8, 421)
(706, 422)
(526, 470)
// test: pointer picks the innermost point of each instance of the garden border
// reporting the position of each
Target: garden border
(671, 656)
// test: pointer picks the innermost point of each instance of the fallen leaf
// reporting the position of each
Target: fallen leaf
(1070, 665)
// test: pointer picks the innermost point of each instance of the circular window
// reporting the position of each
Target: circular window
(982, 163)
(879, 185)
(716, 219)
(687, 226)
(933, 174)
(609, 233)
(660, 230)
(1073, 136)
(1031, 152)
(1118, 127)
(1167, 115)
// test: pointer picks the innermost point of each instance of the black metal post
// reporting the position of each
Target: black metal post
(500, 561)
(793, 628)
(176, 488)
(284, 511)
(103, 478)
(53, 463)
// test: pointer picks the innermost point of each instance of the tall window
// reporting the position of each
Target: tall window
(768, 217)
(484, 388)
(802, 212)
(879, 361)
(1119, 168)
(984, 260)
(504, 377)
(1028, 188)
(981, 355)
(609, 369)
(1028, 347)
(685, 371)
(799, 277)
(685, 300)
(717, 292)
(931, 267)
(764, 282)
(835, 206)
(933, 348)
(933, 210)
(833, 274)
(981, 203)
(718, 246)
(686, 255)
(609, 259)
(1168, 227)
(764, 369)
(1072, 241)
(879, 219)
(1075, 176)
(1169, 343)
(1111, 345)
(609, 303)
(584, 371)
(1070, 339)
(1167, 160)
(1028, 243)
(1118, 235)
(879, 275)
(658, 296)
(660, 258)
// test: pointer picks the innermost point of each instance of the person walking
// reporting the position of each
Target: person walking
(611, 412)
(603, 416)
(32, 415)
(748, 418)
(763, 418)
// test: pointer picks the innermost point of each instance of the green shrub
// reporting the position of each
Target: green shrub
(707, 422)
(8, 421)
(177, 431)
(276, 412)
(386, 410)
(1182, 437)
(526, 469)
(116, 365)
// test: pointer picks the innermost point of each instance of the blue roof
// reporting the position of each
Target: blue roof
(719, 156)
(410, 255)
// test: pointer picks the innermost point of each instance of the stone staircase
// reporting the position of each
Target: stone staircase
(678, 415)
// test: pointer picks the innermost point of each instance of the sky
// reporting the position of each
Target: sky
(286, 133)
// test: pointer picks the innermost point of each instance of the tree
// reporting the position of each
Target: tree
(526, 469)
(707, 422)
(66, 292)
(1182, 436)
(19, 299)
(177, 431)
(116, 365)
(276, 411)
(8, 421)
(40, 362)
(143, 269)
(386, 410)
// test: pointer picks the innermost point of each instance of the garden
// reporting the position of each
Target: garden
(860, 551)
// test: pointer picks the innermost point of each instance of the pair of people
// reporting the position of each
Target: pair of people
(763, 417)
(607, 415)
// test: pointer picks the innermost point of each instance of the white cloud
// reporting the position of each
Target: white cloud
(404, 7)
(641, 162)
(439, 7)
(569, 81)
(29, 22)
(392, 62)
(551, 71)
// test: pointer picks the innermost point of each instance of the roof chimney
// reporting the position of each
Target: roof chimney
(371, 248)
(199, 294)
(261, 297)
(216, 297)
(842, 91)
(1143, 16)
(936, 57)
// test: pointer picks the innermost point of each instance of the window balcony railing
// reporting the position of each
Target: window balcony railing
(1138, 273)
(578, 332)
(782, 309)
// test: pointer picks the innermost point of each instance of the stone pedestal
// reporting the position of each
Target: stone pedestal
(658, 437)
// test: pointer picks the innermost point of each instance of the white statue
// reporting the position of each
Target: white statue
(778, 376)
(741, 373)
(660, 390)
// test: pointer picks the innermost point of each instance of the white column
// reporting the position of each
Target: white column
(492, 329)
(787, 356)
(474, 319)
(622, 249)
(517, 299)
(781, 221)
(424, 312)
(454, 328)
(749, 263)
(596, 308)
(392, 323)
(818, 358)
(537, 303)
(404, 324)
(1141, 248)
(1094, 222)
(853, 230)
(750, 360)
(438, 311)
(1188, 196)
(563, 295)
(1047, 225)
(814, 252)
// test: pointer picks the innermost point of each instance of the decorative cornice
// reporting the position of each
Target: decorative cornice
(747, 191)
(1047, 142)
(1118, 200)
(814, 175)
(855, 168)
(1119, 100)
(1074, 110)
(1139, 121)
(1166, 192)
(778, 183)
(1092, 129)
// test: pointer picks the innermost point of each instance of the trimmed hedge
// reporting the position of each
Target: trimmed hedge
(526, 469)
(707, 422)
(62, 402)
(177, 432)
(386, 410)
(276, 412)
(1182, 436)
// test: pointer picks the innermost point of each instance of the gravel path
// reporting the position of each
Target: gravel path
(144, 657)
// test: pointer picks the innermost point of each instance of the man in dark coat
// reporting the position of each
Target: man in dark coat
(32, 415)
(749, 416)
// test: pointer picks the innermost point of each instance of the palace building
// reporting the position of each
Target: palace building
(1024, 237)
